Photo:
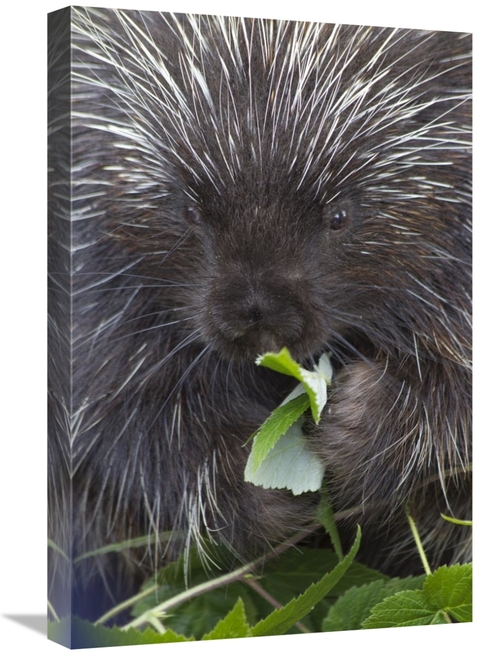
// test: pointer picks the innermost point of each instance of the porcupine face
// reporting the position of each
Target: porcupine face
(269, 266)
(310, 173)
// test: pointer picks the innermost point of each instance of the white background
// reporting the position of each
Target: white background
(23, 332)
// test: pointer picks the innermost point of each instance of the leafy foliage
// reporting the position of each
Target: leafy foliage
(357, 603)
(280, 458)
(276, 426)
(288, 465)
(233, 625)
(314, 382)
(446, 593)
(348, 596)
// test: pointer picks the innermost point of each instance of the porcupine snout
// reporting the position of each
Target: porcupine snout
(259, 312)
(259, 259)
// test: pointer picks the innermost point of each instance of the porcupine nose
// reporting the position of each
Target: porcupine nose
(265, 314)
(255, 314)
(267, 320)
(254, 307)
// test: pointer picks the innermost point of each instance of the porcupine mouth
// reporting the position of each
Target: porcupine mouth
(247, 347)
(243, 346)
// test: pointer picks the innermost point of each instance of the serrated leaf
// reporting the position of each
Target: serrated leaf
(295, 570)
(289, 575)
(282, 619)
(355, 605)
(450, 589)
(283, 578)
(280, 420)
(395, 585)
(315, 382)
(202, 614)
(281, 362)
(404, 609)
(232, 626)
(288, 465)
(446, 592)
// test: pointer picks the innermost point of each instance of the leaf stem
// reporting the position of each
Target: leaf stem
(452, 519)
(126, 603)
(418, 541)
(157, 624)
(118, 547)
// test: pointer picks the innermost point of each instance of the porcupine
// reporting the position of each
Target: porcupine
(242, 185)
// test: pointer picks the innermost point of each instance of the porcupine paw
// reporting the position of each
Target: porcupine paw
(359, 438)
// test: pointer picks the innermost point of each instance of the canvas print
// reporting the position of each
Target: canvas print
(259, 327)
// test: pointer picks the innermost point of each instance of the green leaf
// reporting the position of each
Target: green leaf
(279, 458)
(281, 620)
(315, 382)
(295, 570)
(450, 589)
(288, 465)
(356, 576)
(355, 605)
(275, 427)
(283, 578)
(232, 626)
(291, 574)
(281, 362)
(446, 592)
(405, 608)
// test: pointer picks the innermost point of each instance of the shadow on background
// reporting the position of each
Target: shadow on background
(37, 622)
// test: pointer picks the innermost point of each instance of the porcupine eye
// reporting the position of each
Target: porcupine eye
(192, 215)
(337, 217)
